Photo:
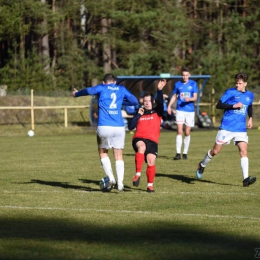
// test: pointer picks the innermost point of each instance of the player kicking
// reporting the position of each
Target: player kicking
(111, 127)
(237, 104)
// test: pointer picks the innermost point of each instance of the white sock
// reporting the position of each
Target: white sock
(138, 174)
(186, 142)
(244, 166)
(206, 159)
(120, 171)
(178, 143)
(149, 184)
(106, 164)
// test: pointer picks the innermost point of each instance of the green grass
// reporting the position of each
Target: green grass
(51, 206)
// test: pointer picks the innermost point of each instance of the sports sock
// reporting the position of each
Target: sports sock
(150, 173)
(245, 167)
(186, 142)
(206, 159)
(139, 159)
(106, 164)
(178, 143)
(120, 171)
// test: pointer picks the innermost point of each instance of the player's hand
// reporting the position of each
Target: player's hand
(141, 111)
(73, 92)
(161, 84)
(238, 105)
(249, 123)
(187, 99)
(169, 110)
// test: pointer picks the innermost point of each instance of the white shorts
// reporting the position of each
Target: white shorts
(186, 118)
(224, 137)
(111, 136)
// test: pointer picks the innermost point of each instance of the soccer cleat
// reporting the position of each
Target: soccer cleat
(150, 189)
(200, 171)
(248, 181)
(184, 157)
(177, 157)
(136, 180)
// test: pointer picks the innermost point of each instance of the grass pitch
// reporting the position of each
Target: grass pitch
(51, 206)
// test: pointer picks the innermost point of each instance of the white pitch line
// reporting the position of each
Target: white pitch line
(132, 212)
(138, 192)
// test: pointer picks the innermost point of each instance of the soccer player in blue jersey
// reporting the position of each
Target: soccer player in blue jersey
(237, 104)
(111, 127)
(186, 93)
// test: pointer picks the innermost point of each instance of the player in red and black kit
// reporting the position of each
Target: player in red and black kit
(147, 122)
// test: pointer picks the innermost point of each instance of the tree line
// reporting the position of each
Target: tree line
(61, 44)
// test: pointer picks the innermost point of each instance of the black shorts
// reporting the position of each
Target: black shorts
(151, 146)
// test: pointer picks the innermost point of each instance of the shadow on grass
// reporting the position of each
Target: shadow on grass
(60, 238)
(64, 185)
(189, 180)
(126, 188)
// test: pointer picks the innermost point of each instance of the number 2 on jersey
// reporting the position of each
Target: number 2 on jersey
(113, 103)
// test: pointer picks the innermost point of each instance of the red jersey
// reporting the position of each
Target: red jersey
(148, 126)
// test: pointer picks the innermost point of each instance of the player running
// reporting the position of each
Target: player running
(237, 104)
(186, 93)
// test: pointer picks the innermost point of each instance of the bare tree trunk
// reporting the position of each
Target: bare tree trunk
(55, 53)
(106, 46)
(45, 45)
(244, 9)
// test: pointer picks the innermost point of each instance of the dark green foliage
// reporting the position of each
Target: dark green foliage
(145, 37)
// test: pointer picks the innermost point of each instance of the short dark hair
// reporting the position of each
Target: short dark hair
(109, 77)
(241, 76)
(185, 69)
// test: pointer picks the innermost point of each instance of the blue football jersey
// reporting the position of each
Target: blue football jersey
(235, 120)
(185, 90)
(110, 100)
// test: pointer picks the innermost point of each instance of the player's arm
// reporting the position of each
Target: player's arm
(159, 107)
(226, 106)
(84, 92)
(130, 99)
(172, 100)
(250, 115)
(132, 123)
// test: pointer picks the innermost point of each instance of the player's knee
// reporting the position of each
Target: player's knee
(243, 153)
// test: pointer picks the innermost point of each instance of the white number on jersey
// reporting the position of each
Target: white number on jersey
(113, 103)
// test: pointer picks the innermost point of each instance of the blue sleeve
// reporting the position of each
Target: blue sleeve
(130, 99)
(130, 103)
(88, 91)
(225, 97)
(196, 89)
(174, 90)
(132, 123)
(131, 110)
(83, 92)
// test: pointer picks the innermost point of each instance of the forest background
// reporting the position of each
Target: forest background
(56, 45)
